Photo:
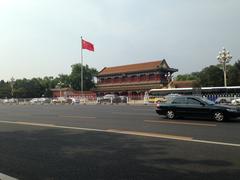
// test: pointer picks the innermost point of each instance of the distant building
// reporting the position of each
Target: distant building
(134, 79)
(69, 92)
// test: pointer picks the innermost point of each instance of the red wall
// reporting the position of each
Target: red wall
(74, 93)
(151, 77)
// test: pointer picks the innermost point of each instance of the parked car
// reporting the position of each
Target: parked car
(235, 101)
(110, 98)
(75, 101)
(39, 100)
(123, 99)
(155, 99)
(59, 100)
(12, 100)
(34, 101)
(223, 100)
(192, 106)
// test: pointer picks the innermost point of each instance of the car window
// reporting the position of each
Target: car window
(193, 101)
(179, 100)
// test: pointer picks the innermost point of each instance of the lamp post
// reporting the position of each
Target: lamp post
(12, 82)
(224, 57)
(168, 76)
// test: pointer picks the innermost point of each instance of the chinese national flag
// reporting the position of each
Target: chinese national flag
(87, 45)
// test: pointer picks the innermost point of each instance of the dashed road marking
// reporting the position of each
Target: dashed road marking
(132, 114)
(80, 117)
(181, 123)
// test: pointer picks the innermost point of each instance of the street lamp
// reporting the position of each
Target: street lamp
(12, 82)
(168, 76)
(224, 57)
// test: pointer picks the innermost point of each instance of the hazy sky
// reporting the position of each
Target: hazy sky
(42, 37)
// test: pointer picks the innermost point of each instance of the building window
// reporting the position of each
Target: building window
(151, 77)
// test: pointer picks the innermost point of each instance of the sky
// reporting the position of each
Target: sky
(42, 37)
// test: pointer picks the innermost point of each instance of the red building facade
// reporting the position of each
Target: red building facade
(134, 79)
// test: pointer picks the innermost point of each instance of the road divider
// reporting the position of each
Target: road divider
(133, 133)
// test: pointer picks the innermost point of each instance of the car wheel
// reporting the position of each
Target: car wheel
(218, 116)
(170, 114)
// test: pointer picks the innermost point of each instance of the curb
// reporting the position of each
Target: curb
(6, 177)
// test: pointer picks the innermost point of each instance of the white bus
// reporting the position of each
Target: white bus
(211, 93)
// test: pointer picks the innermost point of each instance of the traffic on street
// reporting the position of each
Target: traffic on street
(114, 142)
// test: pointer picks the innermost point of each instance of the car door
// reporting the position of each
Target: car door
(197, 108)
(179, 105)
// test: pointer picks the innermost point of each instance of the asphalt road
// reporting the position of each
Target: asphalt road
(114, 142)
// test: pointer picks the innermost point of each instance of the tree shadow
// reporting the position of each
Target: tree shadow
(62, 154)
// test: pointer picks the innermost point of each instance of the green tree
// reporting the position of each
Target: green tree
(47, 84)
(64, 79)
(233, 75)
(25, 88)
(186, 77)
(38, 87)
(5, 89)
(211, 76)
(88, 77)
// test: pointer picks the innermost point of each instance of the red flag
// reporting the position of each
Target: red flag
(87, 45)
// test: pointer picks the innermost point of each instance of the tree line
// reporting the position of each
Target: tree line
(213, 76)
(41, 87)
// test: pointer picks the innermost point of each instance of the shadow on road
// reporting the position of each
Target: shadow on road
(199, 119)
(59, 154)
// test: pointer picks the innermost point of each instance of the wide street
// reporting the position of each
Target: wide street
(114, 142)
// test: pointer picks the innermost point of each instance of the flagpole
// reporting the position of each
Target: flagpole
(81, 68)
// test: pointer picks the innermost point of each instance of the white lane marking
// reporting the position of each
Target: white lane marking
(148, 134)
(181, 123)
(6, 177)
(135, 133)
(174, 137)
(80, 117)
(213, 142)
(133, 114)
(51, 126)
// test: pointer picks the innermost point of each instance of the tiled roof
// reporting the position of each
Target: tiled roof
(132, 67)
